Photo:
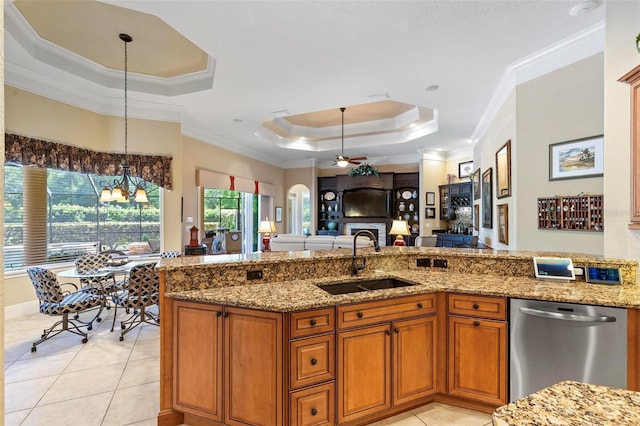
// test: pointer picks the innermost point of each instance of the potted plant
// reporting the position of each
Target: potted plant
(364, 169)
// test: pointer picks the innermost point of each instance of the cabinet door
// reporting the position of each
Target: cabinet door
(414, 345)
(197, 359)
(253, 373)
(477, 359)
(364, 372)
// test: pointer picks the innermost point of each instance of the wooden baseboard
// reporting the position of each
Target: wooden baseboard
(170, 418)
(389, 412)
(465, 403)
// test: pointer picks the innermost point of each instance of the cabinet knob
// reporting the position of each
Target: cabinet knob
(396, 329)
(314, 411)
(314, 361)
(419, 305)
(218, 313)
(476, 306)
(360, 314)
(312, 322)
(476, 323)
(226, 315)
(388, 332)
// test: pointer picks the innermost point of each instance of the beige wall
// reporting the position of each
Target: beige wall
(36, 116)
(433, 172)
(502, 129)
(563, 105)
(622, 20)
(200, 155)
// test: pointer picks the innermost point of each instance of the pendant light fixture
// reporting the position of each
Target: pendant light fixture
(121, 190)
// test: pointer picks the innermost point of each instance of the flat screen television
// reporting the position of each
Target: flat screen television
(365, 202)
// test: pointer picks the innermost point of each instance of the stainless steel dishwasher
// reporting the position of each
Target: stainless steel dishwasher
(552, 341)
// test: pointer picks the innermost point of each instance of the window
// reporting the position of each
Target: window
(64, 217)
(224, 209)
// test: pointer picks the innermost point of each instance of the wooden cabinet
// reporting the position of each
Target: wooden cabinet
(453, 196)
(253, 389)
(329, 207)
(406, 204)
(571, 213)
(386, 355)
(477, 356)
(313, 406)
(633, 79)
(197, 359)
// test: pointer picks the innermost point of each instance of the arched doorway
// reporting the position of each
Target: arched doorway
(298, 210)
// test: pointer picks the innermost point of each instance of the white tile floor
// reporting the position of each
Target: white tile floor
(108, 382)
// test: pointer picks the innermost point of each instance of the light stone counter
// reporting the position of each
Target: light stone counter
(295, 295)
(572, 404)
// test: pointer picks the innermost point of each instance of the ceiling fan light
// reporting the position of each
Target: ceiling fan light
(342, 163)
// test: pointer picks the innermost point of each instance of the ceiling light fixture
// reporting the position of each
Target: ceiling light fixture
(432, 88)
(582, 8)
(120, 189)
(342, 161)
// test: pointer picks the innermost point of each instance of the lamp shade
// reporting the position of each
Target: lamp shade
(399, 227)
(267, 226)
(342, 163)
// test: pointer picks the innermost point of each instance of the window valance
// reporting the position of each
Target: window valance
(210, 179)
(44, 154)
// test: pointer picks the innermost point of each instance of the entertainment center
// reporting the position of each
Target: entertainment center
(347, 204)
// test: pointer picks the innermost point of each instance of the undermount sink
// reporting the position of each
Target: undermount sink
(357, 286)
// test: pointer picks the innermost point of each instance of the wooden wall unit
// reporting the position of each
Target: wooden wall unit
(571, 213)
(633, 79)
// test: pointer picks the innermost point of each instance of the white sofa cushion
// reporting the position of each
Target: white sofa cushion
(319, 242)
(346, 241)
(287, 242)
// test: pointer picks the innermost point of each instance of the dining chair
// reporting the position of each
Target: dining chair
(426, 240)
(56, 302)
(170, 254)
(142, 291)
(91, 262)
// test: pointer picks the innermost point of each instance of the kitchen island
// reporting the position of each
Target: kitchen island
(291, 341)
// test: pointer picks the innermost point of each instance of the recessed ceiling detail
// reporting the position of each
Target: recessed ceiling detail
(162, 62)
(375, 123)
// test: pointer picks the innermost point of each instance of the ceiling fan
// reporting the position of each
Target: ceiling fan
(341, 160)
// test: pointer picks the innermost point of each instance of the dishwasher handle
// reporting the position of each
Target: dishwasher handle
(567, 317)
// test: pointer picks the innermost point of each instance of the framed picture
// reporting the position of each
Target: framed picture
(503, 223)
(503, 171)
(465, 169)
(278, 214)
(430, 213)
(487, 199)
(476, 216)
(431, 198)
(580, 158)
(476, 184)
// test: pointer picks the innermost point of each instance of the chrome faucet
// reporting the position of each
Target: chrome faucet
(355, 266)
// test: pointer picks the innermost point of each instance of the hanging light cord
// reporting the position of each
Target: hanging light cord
(342, 151)
(126, 129)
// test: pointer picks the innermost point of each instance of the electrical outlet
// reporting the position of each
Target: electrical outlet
(254, 275)
(439, 263)
(424, 262)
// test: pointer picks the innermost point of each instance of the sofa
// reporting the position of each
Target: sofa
(294, 242)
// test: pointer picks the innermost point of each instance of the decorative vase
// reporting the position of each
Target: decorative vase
(332, 226)
(401, 206)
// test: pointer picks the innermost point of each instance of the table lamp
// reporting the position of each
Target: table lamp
(266, 227)
(399, 228)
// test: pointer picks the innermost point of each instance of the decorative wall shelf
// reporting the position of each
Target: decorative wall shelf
(571, 213)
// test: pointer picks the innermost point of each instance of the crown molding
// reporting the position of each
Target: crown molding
(52, 54)
(572, 49)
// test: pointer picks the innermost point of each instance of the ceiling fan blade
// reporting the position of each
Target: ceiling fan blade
(358, 158)
(352, 161)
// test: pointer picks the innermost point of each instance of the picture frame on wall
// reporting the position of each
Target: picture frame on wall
(503, 223)
(476, 184)
(465, 169)
(579, 158)
(487, 199)
(431, 198)
(476, 216)
(278, 215)
(430, 213)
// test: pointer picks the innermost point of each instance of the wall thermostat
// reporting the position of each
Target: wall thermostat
(601, 275)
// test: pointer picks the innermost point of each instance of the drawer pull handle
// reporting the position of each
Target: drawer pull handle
(314, 361)
(218, 313)
(360, 314)
(314, 411)
(312, 322)
(226, 315)
(476, 306)
(476, 323)
(420, 305)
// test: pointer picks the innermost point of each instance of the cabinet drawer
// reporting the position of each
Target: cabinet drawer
(313, 406)
(312, 360)
(308, 323)
(387, 310)
(478, 306)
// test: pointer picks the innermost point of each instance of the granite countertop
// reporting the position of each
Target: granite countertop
(572, 404)
(295, 295)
